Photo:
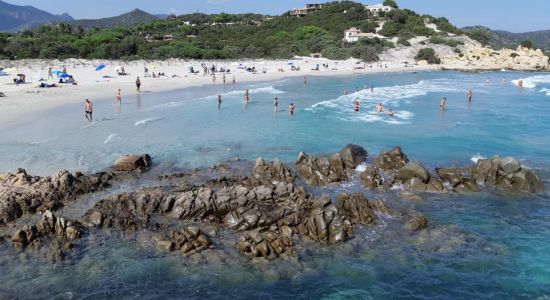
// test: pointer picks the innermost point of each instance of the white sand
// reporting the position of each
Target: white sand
(28, 98)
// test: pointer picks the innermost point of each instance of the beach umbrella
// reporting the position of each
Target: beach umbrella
(100, 67)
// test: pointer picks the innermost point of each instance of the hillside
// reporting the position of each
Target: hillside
(499, 38)
(16, 17)
(128, 19)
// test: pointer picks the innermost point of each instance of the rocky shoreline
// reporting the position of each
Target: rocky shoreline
(269, 211)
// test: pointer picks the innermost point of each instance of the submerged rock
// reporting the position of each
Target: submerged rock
(189, 241)
(269, 245)
(416, 223)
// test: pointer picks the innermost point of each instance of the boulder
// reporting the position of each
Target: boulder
(356, 208)
(325, 170)
(507, 174)
(460, 179)
(129, 163)
(268, 245)
(392, 160)
(371, 178)
(271, 172)
(323, 223)
(413, 170)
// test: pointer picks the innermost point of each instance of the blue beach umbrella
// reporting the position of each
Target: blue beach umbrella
(100, 67)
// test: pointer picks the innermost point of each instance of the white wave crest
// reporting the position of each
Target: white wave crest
(533, 81)
(147, 121)
(476, 158)
(110, 138)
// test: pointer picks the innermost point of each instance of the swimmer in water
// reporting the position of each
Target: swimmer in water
(346, 93)
(276, 104)
(379, 108)
(246, 97)
(443, 103)
(219, 101)
(356, 106)
(391, 113)
(520, 83)
(469, 95)
(291, 109)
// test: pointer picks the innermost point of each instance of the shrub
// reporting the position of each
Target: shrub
(429, 55)
(437, 40)
(453, 43)
(480, 36)
(526, 44)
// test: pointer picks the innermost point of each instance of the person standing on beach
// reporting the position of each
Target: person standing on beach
(214, 78)
(276, 104)
(469, 95)
(64, 70)
(88, 110)
(246, 97)
(291, 109)
(146, 71)
(223, 78)
(50, 75)
(443, 103)
(118, 97)
(234, 80)
(138, 85)
(219, 101)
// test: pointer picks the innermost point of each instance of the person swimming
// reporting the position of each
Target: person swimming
(391, 113)
(469, 95)
(520, 83)
(356, 106)
(379, 108)
(291, 109)
(443, 103)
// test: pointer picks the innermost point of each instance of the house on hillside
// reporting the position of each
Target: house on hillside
(377, 8)
(308, 8)
(353, 35)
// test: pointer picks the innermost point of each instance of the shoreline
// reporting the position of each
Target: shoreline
(27, 99)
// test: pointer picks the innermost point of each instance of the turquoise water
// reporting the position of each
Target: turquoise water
(482, 246)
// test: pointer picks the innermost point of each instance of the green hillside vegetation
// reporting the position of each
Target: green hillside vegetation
(499, 39)
(129, 19)
(225, 36)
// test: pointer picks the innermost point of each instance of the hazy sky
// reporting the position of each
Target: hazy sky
(511, 15)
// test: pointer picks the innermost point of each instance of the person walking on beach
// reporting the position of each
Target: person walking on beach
(276, 104)
(50, 75)
(219, 101)
(291, 109)
(88, 110)
(443, 103)
(246, 97)
(469, 95)
(138, 85)
(118, 97)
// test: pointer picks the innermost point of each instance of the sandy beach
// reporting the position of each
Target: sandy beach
(101, 85)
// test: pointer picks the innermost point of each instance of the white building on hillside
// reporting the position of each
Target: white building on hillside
(353, 35)
(376, 8)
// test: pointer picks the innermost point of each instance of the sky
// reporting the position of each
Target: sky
(509, 15)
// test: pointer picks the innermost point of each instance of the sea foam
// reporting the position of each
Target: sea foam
(147, 121)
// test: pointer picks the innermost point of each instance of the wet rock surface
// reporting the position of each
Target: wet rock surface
(325, 170)
(22, 194)
(128, 163)
(261, 212)
(507, 174)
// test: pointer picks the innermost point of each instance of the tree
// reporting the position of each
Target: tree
(526, 44)
(391, 3)
(429, 55)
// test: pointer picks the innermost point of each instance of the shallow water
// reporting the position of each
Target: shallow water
(483, 246)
